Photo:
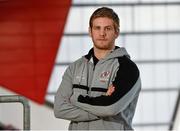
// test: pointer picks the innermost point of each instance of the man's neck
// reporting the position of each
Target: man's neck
(100, 54)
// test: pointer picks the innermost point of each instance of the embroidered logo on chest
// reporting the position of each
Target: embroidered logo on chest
(104, 76)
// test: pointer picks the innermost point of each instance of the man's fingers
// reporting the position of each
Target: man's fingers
(111, 89)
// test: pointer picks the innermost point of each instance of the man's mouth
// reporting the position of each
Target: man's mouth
(102, 39)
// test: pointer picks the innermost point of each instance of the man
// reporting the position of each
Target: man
(100, 90)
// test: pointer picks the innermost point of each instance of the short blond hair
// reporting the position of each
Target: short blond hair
(105, 12)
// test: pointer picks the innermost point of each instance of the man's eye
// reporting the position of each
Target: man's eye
(108, 28)
(96, 28)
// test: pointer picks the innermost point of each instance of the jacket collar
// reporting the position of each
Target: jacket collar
(91, 53)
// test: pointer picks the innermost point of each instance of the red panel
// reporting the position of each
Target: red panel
(30, 33)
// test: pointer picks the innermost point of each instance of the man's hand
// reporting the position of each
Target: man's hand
(110, 90)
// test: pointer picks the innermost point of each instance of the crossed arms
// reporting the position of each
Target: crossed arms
(76, 105)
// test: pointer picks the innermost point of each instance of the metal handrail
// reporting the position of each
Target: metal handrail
(26, 107)
(175, 111)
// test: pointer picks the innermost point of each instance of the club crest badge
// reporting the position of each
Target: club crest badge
(104, 76)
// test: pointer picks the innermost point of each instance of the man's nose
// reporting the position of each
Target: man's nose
(102, 32)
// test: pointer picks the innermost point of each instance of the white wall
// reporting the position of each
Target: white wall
(42, 117)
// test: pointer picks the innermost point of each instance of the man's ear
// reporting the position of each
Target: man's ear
(117, 33)
(89, 31)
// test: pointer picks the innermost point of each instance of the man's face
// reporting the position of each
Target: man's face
(103, 33)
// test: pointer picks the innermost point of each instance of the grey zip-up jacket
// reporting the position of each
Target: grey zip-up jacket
(81, 96)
